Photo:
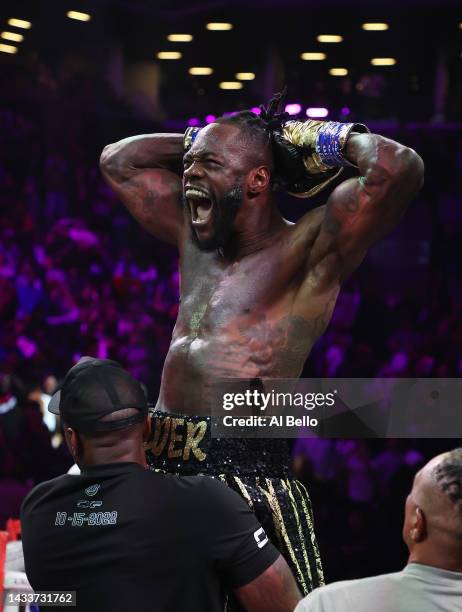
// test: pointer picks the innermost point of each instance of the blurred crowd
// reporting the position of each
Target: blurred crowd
(78, 277)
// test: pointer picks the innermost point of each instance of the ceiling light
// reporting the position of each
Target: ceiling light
(338, 71)
(330, 38)
(78, 16)
(169, 55)
(293, 109)
(12, 36)
(219, 26)
(20, 23)
(383, 61)
(316, 112)
(313, 56)
(230, 85)
(244, 76)
(375, 27)
(200, 70)
(8, 48)
(180, 37)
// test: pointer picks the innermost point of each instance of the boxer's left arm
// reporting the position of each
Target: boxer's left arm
(362, 210)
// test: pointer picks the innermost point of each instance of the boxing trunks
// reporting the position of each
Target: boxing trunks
(257, 469)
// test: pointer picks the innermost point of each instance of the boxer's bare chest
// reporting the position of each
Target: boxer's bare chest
(236, 320)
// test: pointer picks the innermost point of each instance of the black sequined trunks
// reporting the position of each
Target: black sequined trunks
(257, 469)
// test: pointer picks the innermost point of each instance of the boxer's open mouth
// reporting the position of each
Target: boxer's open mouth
(200, 204)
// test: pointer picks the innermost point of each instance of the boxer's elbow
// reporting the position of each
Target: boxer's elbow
(112, 164)
(395, 167)
(409, 169)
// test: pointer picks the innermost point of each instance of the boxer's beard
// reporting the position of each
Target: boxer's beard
(226, 209)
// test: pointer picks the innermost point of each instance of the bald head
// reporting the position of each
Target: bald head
(438, 491)
(433, 522)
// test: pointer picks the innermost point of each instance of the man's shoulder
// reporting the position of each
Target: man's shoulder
(42, 489)
(205, 487)
(366, 584)
(348, 591)
(204, 492)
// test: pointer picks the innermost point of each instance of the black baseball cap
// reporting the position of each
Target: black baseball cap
(94, 388)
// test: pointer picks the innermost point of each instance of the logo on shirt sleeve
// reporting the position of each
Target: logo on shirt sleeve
(260, 537)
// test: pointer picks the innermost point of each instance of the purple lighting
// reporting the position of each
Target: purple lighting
(315, 112)
(293, 109)
(193, 121)
(210, 118)
(345, 110)
(256, 110)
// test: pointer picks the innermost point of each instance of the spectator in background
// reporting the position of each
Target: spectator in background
(26, 452)
(432, 580)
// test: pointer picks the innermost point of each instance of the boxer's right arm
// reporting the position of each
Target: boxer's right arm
(145, 172)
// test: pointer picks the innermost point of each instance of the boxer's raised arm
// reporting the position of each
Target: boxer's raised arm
(144, 171)
(273, 591)
(362, 210)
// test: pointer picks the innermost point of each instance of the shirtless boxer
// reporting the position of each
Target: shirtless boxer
(257, 291)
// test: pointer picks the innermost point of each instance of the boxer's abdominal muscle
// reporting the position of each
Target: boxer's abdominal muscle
(239, 320)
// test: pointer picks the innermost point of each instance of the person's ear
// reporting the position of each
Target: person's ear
(258, 180)
(73, 443)
(419, 526)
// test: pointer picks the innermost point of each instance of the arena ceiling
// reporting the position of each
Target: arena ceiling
(267, 39)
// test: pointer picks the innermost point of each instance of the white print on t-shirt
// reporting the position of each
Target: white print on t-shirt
(260, 537)
(86, 503)
(93, 490)
(79, 519)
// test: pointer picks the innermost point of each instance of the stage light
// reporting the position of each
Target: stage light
(8, 48)
(180, 37)
(78, 16)
(293, 109)
(169, 55)
(345, 110)
(230, 85)
(313, 56)
(219, 27)
(315, 112)
(244, 76)
(383, 61)
(193, 122)
(12, 36)
(375, 27)
(330, 38)
(338, 71)
(20, 23)
(256, 110)
(200, 70)
(210, 118)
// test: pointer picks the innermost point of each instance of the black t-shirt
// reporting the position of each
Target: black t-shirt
(126, 538)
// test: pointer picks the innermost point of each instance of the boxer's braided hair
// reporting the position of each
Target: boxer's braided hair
(448, 475)
(258, 129)
(271, 117)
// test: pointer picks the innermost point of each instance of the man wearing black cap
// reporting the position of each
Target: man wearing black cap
(126, 538)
